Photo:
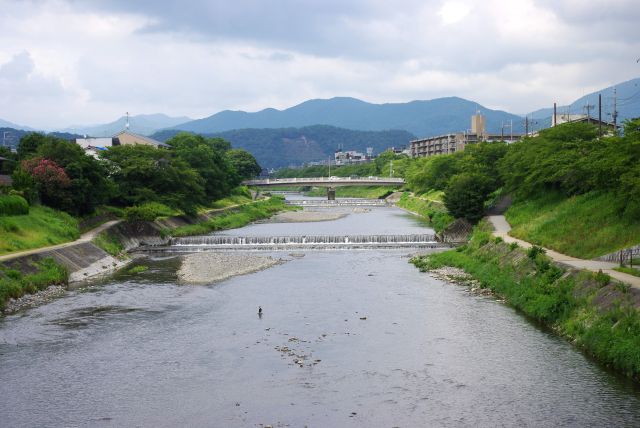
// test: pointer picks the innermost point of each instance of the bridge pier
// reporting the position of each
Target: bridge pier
(331, 193)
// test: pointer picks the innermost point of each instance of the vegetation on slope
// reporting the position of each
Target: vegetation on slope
(584, 226)
(14, 284)
(235, 217)
(429, 206)
(597, 315)
(43, 226)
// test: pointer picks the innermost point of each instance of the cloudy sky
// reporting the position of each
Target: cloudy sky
(80, 62)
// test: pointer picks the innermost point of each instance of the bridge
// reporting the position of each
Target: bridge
(274, 243)
(329, 182)
(338, 203)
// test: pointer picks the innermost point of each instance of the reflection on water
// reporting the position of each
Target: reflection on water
(358, 338)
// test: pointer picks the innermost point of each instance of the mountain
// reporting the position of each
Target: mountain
(10, 137)
(627, 104)
(7, 124)
(421, 118)
(275, 148)
(145, 124)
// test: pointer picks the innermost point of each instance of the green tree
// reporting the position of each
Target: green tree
(205, 157)
(465, 195)
(146, 174)
(89, 183)
(29, 143)
(244, 163)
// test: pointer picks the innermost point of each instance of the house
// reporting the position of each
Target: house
(561, 118)
(94, 145)
(351, 157)
(456, 142)
(127, 138)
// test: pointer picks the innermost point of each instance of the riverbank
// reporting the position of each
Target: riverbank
(429, 207)
(103, 250)
(592, 311)
(209, 267)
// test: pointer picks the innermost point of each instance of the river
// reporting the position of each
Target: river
(354, 338)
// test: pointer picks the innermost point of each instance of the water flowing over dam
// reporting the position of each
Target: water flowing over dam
(213, 242)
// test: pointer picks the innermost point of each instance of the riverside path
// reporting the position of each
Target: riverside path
(502, 227)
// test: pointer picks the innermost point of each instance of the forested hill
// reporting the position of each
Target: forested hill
(422, 118)
(274, 148)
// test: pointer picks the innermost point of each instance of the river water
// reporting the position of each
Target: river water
(348, 339)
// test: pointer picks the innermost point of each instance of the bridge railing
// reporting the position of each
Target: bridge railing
(295, 180)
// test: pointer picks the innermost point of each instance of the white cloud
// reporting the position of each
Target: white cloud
(87, 62)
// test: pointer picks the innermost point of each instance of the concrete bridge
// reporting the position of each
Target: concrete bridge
(329, 182)
(273, 243)
(338, 202)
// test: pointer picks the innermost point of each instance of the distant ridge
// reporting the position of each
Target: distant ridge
(145, 124)
(282, 147)
(628, 103)
(421, 118)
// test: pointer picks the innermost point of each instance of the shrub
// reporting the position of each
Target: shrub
(602, 278)
(13, 205)
(147, 212)
(513, 246)
(533, 252)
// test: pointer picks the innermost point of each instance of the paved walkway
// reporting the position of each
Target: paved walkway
(85, 237)
(502, 228)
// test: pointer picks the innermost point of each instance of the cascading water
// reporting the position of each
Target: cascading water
(218, 240)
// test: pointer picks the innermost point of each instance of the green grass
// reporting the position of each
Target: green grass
(565, 302)
(234, 218)
(14, 284)
(108, 243)
(428, 206)
(43, 226)
(138, 269)
(368, 192)
(584, 226)
(629, 270)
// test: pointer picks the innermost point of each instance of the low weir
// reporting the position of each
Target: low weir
(220, 242)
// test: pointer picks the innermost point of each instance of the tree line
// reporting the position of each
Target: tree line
(194, 171)
(571, 159)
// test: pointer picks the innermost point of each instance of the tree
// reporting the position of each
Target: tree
(244, 163)
(146, 174)
(204, 156)
(28, 145)
(465, 195)
(90, 185)
(51, 181)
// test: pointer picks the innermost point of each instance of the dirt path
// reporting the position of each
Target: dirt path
(502, 228)
(85, 237)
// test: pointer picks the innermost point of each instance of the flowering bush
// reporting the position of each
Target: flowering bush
(51, 181)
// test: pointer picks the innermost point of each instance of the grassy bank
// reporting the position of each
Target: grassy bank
(43, 226)
(429, 206)
(15, 284)
(235, 217)
(368, 192)
(584, 226)
(599, 316)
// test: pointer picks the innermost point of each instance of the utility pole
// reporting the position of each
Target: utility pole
(600, 115)
(526, 126)
(588, 107)
(615, 112)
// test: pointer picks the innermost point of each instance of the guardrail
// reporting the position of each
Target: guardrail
(324, 180)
